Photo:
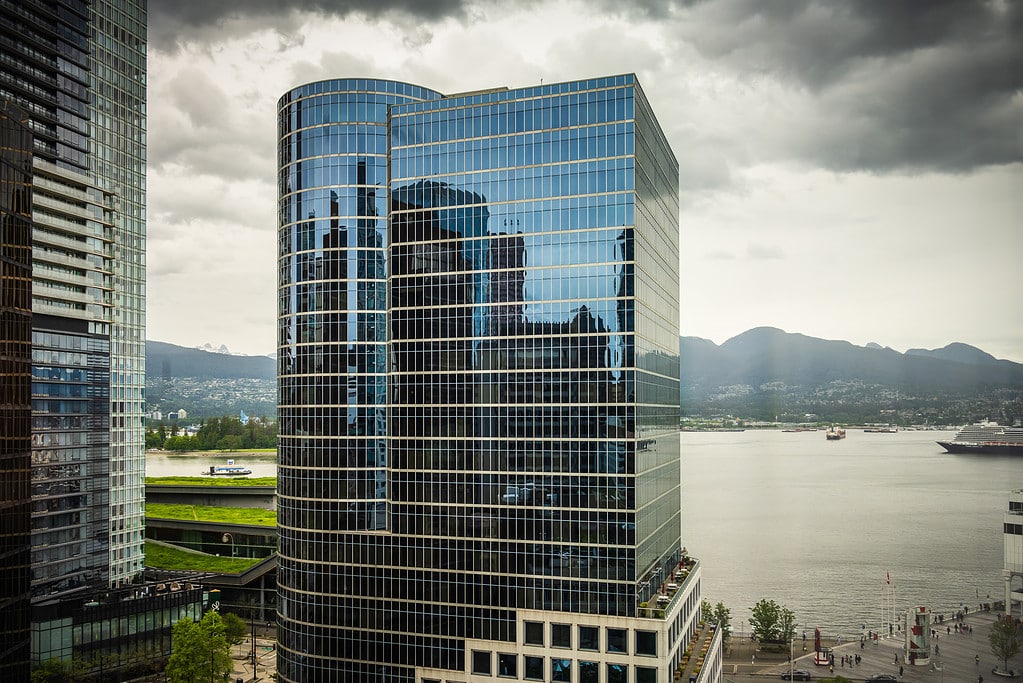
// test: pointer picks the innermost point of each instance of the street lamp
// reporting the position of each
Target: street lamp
(228, 537)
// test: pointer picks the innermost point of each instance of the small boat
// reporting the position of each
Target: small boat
(881, 430)
(834, 434)
(229, 470)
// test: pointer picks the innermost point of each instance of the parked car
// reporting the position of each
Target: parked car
(883, 678)
(796, 675)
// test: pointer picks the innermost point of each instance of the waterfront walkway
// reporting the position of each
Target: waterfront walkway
(955, 662)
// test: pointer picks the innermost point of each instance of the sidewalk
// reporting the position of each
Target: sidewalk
(956, 658)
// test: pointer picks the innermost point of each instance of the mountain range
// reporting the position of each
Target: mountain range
(766, 371)
(763, 372)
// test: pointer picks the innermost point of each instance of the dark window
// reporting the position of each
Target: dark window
(534, 668)
(1014, 529)
(561, 669)
(646, 643)
(616, 639)
(589, 638)
(645, 674)
(480, 662)
(561, 635)
(507, 664)
(589, 672)
(534, 633)
(617, 673)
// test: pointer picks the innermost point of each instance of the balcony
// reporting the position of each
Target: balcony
(672, 591)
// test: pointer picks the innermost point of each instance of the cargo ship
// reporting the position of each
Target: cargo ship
(834, 434)
(986, 437)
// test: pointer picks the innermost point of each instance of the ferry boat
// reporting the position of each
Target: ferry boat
(834, 434)
(229, 470)
(986, 437)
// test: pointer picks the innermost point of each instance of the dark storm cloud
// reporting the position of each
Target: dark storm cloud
(174, 21)
(904, 86)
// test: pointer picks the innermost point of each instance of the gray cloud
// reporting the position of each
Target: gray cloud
(174, 21)
(899, 86)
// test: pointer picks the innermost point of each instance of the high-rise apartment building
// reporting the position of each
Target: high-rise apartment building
(479, 386)
(77, 69)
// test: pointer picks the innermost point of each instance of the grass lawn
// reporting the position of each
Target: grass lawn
(212, 481)
(204, 513)
(163, 557)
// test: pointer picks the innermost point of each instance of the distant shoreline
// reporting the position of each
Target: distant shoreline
(206, 454)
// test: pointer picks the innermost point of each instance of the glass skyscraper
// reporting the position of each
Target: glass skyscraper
(77, 69)
(479, 386)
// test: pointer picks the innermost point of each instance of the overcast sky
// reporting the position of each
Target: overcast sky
(849, 169)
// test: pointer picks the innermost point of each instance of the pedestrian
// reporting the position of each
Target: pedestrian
(896, 657)
(754, 659)
(976, 660)
(937, 650)
(900, 672)
(831, 668)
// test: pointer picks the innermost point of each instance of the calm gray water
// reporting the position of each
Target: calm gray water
(165, 464)
(814, 524)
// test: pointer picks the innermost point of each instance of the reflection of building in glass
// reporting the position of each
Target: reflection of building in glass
(15, 389)
(77, 69)
(505, 498)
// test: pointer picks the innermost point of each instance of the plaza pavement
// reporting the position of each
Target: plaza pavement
(954, 663)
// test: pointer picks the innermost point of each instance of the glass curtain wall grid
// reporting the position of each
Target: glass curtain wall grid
(15, 390)
(478, 365)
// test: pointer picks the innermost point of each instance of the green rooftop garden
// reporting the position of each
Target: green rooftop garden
(162, 556)
(211, 481)
(207, 513)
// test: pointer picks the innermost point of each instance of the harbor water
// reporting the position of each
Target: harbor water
(194, 464)
(820, 526)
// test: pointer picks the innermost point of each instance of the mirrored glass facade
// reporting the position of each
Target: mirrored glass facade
(478, 371)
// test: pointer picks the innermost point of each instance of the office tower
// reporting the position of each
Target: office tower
(478, 374)
(15, 389)
(1012, 535)
(77, 68)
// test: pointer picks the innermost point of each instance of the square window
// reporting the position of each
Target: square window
(589, 672)
(534, 633)
(481, 662)
(617, 673)
(589, 638)
(646, 643)
(534, 668)
(561, 669)
(561, 635)
(645, 674)
(616, 640)
(507, 664)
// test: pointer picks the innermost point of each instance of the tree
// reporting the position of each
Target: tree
(1006, 638)
(770, 621)
(723, 616)
(706, 610)
(57, 671)
(234, 628)
(201, 652)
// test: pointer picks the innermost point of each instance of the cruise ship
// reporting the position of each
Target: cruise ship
(986, 437)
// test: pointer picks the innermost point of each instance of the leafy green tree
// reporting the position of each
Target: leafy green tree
(771, 621)
(706, 610)
(234, 628)
(723, 617)
(1006, 638)
(201, 652)
(153, 440)
(57, 671)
